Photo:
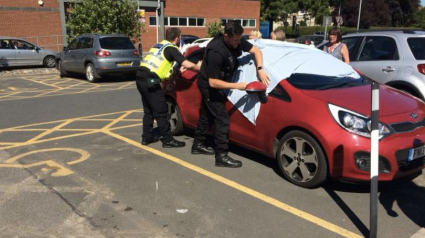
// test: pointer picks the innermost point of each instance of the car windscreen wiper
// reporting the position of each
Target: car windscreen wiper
(339, 85)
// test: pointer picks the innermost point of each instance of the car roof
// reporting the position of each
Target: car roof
(11, 38)
(392, 31)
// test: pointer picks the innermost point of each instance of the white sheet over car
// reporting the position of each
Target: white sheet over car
(281, 60)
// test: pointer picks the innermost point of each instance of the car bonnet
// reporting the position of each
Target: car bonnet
(358, 99)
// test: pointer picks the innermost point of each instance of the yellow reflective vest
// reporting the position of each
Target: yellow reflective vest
(156, 62)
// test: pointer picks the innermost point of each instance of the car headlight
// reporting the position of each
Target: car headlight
(355, 122)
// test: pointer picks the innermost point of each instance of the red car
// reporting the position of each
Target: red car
(317, 127)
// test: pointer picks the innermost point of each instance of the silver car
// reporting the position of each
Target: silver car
(19, 52)
(392, 57)
(96, 55)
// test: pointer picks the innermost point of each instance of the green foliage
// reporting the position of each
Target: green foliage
(214, 28)
(104, 17)
(419, 18)
(303, 23)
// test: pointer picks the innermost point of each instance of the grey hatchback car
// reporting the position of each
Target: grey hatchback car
(392, 57)
(19, 52)
(96, 55)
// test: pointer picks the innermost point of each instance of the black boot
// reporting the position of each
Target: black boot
(223, 160)
(149, 140)
(198, 147)
(173, 143)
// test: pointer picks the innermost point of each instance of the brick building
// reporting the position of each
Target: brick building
(45, 24)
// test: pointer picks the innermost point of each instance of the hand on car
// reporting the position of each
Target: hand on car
(264, 77)
(182, 69)
(242, 86)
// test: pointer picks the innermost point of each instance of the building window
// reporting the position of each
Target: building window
(243, 22)
(179, 21)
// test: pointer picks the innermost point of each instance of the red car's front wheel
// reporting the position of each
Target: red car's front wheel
(301, 159)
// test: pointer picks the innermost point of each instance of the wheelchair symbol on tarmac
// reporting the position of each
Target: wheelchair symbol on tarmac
(50, 164)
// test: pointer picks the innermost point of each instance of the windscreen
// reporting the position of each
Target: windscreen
(116, 43)
(320, 82)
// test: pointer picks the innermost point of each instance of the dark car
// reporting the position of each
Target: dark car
(97, 55)
(308, 39)
(187, 39)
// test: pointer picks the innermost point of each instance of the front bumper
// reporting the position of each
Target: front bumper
(346, 147)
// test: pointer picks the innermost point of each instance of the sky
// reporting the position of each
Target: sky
(423, 2)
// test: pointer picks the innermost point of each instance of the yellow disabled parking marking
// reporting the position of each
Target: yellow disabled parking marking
(108, 130)
(50, 164)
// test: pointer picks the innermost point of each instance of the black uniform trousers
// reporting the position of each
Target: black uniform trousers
(214, 110)
(154, 107)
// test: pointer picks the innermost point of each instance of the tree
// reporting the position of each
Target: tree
(104, 17)
(213, 28)
(419, 18)
(373, 13)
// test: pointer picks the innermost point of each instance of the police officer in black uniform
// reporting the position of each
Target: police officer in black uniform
(220, 61)
(154, 69)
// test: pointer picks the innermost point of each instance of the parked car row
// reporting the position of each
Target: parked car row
(19, 52)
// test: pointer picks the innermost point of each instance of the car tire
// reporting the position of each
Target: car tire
(91, 73)
(301, 160)
(62, 72)
(49, 61)
(174, 118)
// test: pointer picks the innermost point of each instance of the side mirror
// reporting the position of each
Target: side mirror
(65, 49)
(257, 88)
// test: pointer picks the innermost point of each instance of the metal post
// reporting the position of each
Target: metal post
(157, 20)
(374, 160)
(339, 12)
(360, 11)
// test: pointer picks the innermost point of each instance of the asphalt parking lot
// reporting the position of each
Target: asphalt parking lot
(72, 166)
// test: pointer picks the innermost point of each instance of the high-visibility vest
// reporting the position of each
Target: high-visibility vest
(156, 62)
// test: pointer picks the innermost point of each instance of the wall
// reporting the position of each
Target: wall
(25, 18)
(212, 10)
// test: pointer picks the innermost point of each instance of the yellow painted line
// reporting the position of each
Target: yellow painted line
(41, 82)
(274, 202)
(117, 120)
(95, 119)
(127, 126)
(8, 95)
(49, 131)
(50, 139)
(51, 165)
(76, 129)
(61, 94)
(75, 118)
(126, 85)
(24, 129)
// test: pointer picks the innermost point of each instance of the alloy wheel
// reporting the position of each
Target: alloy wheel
(299, 159)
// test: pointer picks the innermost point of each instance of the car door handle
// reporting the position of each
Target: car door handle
(388, 69)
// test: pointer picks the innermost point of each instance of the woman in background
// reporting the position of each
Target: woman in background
(335, 47)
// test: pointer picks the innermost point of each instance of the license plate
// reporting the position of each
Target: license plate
(124, 64)
(416, 153)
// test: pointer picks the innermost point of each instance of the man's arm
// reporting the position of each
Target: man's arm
(173, 54)
(191, 66)
(220, 84)
(259, 60)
